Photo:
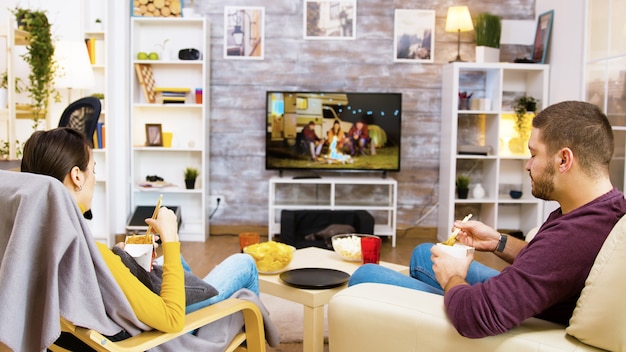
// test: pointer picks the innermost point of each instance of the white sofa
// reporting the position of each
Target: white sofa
(375, 317)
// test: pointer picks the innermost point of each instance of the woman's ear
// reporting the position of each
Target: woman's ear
(76, 176)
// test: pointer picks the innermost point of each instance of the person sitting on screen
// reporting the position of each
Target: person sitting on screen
(358, 137)
(311, 139)
(336, 132)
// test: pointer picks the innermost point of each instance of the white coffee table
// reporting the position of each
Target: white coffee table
(313, 300)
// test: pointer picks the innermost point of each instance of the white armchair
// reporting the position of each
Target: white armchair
(376, 317)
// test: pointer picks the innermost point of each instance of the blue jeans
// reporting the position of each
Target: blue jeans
(421, 270)
(235, 272)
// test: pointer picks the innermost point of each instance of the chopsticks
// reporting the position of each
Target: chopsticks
(155, 214)
(452, 239)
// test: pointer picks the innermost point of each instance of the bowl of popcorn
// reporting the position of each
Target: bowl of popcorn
(348, 246)
(271, 257)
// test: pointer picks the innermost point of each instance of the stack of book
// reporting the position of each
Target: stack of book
(170, 95)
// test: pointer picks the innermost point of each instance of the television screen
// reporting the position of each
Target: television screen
(333, 131)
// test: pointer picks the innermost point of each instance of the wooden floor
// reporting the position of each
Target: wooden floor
(202, 257)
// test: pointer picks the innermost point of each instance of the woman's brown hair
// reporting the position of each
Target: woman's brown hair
(55, 152)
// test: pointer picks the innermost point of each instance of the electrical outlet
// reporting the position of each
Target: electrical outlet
(216, 204)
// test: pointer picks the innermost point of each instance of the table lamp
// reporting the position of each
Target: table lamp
(74, 67)
(458, 20)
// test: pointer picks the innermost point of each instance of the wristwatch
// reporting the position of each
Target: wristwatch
(501, 243)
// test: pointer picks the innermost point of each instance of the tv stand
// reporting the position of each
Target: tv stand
(376, 195)
(304, 177)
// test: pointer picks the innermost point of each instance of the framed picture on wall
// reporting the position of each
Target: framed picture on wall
(244, 32)
(542, 37)
(329, 20)
(154, 135)
(413, 39)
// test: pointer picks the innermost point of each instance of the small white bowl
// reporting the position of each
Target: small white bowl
(348, 246)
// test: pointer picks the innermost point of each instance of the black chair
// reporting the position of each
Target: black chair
(82, 115)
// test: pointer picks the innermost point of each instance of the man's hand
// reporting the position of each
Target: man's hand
(478, 235)
(447, 266)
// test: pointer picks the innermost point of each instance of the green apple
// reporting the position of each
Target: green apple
(153, 56)
(142, 56)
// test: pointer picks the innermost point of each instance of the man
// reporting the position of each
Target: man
(358, 137)
(313, 142)
(571, 145)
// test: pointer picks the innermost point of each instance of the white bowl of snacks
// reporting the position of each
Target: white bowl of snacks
(270, 257)
(348, 246)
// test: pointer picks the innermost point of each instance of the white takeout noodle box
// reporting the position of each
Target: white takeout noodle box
(142, 253)
(458, 250)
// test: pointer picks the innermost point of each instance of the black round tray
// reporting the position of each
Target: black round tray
(314, 278)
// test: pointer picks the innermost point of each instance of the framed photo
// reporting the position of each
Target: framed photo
(154, 135)
(329, 20)
(542, 37)
(413, 39)
(244, 32)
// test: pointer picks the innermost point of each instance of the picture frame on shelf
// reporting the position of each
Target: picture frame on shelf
(413, 39)
(244, 32)
(338, 22)
(154, 135)
(542, 37)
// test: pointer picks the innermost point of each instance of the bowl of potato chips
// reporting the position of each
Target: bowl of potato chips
(271, 257)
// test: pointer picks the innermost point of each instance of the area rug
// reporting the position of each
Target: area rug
(288, 318)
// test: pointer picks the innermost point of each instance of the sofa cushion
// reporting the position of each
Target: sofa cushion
(599, 318)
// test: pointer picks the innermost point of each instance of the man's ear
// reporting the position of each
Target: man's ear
(567, 159)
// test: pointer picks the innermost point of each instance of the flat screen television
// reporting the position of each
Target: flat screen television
(326, 131)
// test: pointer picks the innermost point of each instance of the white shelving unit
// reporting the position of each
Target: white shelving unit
(10, 114)
(188, 121)
(100, 225)
(503, 166)
(375, 195)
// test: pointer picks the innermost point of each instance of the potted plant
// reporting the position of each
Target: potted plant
(190, 177)
(4, 88)
(462, 186)
(40, 57)
(524, 107)
(487, 28)
(4, 150)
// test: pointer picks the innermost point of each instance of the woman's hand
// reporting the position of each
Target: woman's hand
(166, 225)
(477, 235)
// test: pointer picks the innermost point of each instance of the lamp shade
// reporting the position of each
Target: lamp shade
(73, 65)
(459, 19)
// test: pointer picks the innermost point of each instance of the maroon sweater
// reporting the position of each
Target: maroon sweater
(546, 277)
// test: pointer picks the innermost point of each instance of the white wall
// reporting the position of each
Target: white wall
(565, 54)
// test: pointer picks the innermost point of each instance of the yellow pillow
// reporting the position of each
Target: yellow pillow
(599, 318)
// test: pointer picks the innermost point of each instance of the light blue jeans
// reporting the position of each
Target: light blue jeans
(235, 272)
(421, 270)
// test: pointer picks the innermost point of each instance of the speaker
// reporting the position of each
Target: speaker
(189, 54)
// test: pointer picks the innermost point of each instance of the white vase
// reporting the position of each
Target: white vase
(4, 93)
(478, 192)
(487, 54)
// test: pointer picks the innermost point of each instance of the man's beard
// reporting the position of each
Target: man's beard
(543, 186)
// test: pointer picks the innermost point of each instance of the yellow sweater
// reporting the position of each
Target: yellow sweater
(165, 312)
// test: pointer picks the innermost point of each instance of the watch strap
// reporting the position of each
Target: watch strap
(501, 243)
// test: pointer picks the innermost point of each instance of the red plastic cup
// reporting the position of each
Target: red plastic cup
(370, 249)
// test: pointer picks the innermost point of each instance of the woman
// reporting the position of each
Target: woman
(65, 154)
(336, 132)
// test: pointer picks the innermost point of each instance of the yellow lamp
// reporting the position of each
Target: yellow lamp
(458, 20)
